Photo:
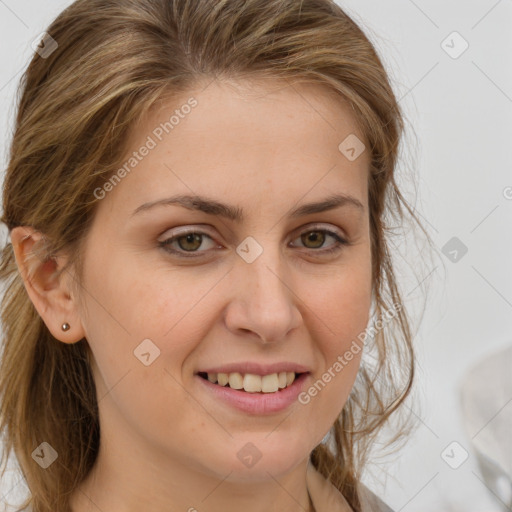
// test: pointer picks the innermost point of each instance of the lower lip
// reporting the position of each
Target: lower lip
(257, 403)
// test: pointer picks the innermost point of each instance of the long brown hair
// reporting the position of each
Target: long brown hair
(114, 60)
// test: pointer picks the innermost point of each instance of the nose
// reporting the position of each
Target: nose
(262, 299)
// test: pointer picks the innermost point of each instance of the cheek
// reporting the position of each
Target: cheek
(134, 299)
(341, 303)
(346, 317)
(341, 309)
(126, 306)
(349, 312)
(132, 302)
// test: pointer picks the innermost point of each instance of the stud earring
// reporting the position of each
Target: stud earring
(65, 327)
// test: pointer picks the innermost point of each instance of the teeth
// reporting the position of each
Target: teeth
(270, 383)
(236, 381)
(222, 378)
(253, 383)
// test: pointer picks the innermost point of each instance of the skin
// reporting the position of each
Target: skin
(167, 443)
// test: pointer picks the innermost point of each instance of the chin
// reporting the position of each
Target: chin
(256, 457)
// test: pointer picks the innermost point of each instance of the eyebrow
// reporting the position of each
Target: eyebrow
(235, 213)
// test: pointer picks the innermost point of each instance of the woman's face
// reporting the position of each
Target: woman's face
(240, 278)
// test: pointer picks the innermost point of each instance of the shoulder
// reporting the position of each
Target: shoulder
(324, 496)
(327, 498)
(370, 502)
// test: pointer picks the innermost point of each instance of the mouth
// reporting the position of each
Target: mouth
(252, 383)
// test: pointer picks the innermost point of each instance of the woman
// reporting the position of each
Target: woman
(197, 196)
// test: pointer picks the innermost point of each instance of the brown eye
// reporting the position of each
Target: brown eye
(190, 242)
(317, 238)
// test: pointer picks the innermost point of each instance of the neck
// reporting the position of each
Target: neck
(130, 480)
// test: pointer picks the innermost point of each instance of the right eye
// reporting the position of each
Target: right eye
(185, 242)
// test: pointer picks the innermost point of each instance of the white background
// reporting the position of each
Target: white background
(461, 113)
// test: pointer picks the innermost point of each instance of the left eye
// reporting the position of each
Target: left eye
(190, 242)
(318, 237)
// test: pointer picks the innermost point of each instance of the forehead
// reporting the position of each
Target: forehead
(248, 140)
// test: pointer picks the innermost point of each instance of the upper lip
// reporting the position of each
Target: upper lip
(257, 368)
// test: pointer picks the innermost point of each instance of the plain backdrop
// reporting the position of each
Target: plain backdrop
(459, 111)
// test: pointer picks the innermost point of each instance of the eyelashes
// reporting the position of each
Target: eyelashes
(190, 237)
(195, 238)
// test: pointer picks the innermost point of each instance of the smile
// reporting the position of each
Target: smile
(252, 383)
(240, 391)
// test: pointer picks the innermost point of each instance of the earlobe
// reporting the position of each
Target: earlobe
(48, 291)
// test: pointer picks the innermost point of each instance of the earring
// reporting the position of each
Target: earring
(65, 327)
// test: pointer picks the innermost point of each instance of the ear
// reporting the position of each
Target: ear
(50, 294)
